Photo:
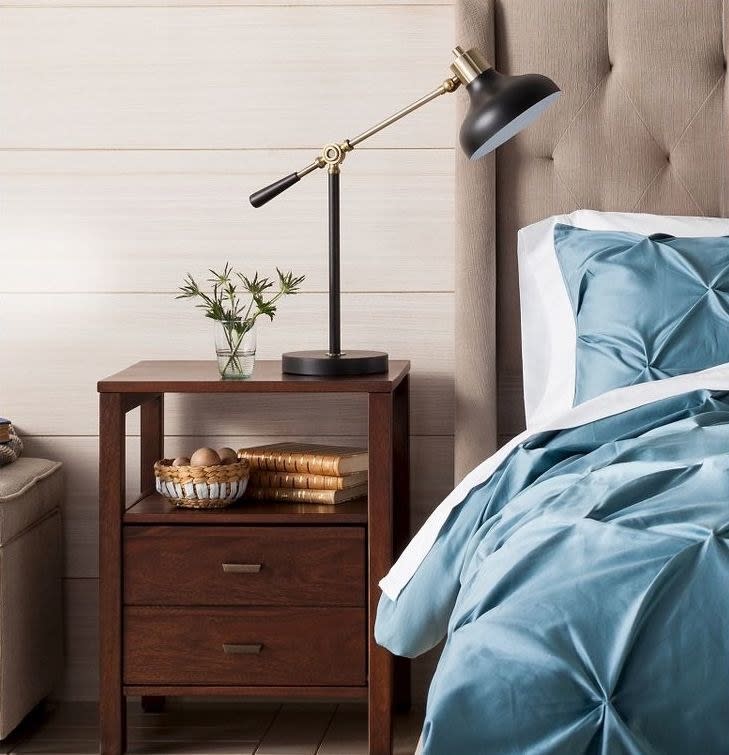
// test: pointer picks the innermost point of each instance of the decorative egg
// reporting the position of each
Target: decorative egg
(227, 455)
(204, 457)
(181, 461)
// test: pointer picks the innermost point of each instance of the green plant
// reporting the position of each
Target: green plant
(236, 301)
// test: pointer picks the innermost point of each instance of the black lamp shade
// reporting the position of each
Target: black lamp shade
(501, 106)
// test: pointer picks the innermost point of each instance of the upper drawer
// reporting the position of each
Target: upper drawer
(206, 566)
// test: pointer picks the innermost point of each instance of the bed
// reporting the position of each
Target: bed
(577, 574)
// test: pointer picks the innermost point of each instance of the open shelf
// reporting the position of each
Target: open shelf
(153, 509)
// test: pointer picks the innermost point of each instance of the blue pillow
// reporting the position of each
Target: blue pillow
(645, 307)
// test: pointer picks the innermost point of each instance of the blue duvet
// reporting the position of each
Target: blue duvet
(583, 592)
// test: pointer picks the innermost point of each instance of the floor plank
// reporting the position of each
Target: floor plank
(297, 730)
(347, 734)
(212, 727)
(407, 732)
(233, 729)
(192, 748)
(59, 747)
(232, 720)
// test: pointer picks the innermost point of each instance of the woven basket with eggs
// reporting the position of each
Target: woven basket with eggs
(207, 480)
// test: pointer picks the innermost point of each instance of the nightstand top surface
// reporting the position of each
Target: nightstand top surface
(170, 376)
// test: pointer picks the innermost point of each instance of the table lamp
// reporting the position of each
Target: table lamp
(500, 107)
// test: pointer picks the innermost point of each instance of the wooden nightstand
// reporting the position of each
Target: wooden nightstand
(274, 600)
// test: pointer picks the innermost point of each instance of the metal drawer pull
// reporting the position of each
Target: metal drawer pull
(243, 649)
(242, 568)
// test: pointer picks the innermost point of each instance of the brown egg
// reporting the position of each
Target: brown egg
(227, 455)
(204, 457)
(181, 461)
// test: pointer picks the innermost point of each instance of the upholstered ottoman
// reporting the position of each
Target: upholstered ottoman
(31, 637)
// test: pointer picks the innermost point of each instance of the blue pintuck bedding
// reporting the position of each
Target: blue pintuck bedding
(583, 593)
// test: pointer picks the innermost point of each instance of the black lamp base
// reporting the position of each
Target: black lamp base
(322, 364)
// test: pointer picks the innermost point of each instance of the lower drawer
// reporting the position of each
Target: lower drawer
(245, 646)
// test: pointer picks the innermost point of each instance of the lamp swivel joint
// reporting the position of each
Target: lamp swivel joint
(332, 155)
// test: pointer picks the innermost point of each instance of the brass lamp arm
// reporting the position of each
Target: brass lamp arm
(449, 85)
(332, 155)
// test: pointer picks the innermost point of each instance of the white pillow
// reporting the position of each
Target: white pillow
(548, 334)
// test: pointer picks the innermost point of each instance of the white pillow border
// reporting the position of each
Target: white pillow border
(548, 331)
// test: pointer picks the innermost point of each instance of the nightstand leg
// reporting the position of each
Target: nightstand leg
(152, 440)
(112, 711)
(380, 528)
(401, 513)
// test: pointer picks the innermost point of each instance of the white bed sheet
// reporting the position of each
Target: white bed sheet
(613, 402)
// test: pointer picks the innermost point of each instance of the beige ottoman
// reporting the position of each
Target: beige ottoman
(31, 615)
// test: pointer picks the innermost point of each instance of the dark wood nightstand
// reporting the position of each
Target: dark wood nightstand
(274, 600)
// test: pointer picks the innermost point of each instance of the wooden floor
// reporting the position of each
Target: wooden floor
(211, 728)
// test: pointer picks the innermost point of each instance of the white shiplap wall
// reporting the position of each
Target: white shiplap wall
(131, 133)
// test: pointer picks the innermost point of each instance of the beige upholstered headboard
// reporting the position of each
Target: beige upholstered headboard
(641, 127)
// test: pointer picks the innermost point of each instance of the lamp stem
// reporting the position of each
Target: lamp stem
(335, 343)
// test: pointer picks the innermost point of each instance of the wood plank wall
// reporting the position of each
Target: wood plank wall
(131, 133)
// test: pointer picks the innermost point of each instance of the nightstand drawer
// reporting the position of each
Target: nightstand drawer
(204, 566)
(245, 646)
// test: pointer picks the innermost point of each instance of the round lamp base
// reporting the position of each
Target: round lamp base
(322, 364)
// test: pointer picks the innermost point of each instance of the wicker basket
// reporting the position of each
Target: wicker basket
(213, 487)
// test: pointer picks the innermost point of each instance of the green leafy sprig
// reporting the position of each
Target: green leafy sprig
(225, 303)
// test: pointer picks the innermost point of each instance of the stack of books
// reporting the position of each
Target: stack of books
(306, 473)
(5, 428)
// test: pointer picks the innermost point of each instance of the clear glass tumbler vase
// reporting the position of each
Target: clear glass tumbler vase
(235, 347)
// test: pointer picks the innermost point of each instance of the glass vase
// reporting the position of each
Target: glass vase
(235, 348)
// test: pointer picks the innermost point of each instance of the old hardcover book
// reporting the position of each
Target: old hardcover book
(4, 430)
(263, 479)
(306, 458)
(302, 495)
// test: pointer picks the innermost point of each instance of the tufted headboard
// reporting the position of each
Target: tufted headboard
(641, 127)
